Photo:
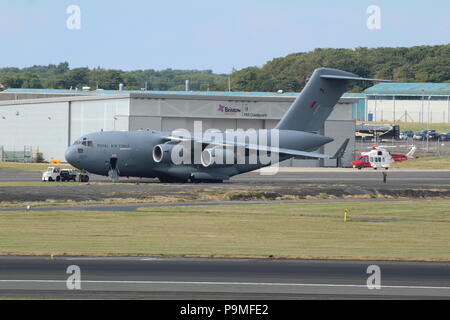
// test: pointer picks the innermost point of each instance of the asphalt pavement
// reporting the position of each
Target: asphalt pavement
(186, 278)
(289, 176)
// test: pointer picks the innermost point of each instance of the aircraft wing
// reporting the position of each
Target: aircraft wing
(212, 142)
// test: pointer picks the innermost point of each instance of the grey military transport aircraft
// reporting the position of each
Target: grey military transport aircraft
(206, 157)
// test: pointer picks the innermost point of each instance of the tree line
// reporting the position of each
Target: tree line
(290, 73)
(62, 77)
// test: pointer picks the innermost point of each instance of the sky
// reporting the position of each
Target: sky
(200, 34)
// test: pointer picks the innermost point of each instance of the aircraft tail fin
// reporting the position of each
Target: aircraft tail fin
(317, 100)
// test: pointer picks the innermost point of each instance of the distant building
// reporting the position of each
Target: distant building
(408, 102)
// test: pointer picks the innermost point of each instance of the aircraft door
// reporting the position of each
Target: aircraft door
(113, 172)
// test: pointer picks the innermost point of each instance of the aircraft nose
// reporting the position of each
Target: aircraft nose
(70, 155)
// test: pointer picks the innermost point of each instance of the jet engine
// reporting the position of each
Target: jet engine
(162, 153)
(221, 156)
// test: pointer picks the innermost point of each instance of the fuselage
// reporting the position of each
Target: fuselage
(375, 158)
(131, 154)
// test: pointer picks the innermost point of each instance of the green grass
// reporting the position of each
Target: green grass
(34, 167)
(425, 162)
(278, 230)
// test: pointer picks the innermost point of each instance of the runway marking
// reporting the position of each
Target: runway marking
(270, 284)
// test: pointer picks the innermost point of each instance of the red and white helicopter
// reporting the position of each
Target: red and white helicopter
(379, 157)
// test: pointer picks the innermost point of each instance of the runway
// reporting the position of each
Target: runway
(356, 177)
(184, 278)
(289, 176)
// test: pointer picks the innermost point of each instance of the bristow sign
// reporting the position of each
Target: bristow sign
(228, 110)
(233, 111)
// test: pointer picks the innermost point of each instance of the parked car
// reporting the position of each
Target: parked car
(424, 134)
(406, 134)
(444, 136)
(432, 134)
(419, 135)
(409, 133)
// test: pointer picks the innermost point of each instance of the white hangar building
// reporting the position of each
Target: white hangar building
(51, 120)
(408, 102)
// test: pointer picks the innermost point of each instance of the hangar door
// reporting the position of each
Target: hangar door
(169, 124)
(144, 122)
(340, 130)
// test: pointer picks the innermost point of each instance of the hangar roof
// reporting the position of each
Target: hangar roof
(194, 93)
(410, 88)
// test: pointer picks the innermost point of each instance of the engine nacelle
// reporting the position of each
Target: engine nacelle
(162, 153)
(220, 156)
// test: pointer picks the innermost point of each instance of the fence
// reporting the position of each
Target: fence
(27, 154)
(410, 116)
(431, 147)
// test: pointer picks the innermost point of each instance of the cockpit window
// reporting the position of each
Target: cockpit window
(88, 143)
(84, 142)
